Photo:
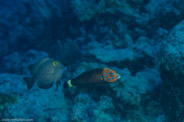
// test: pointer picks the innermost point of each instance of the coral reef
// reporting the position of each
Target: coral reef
(69, 50)
(87, 10)
(105, 110)
(130, 91)
(21, 62)
(42, 105)
(5, 100)
(83, 108)
(101, 50)
(171, 67)
(131, 57)
(133, 38)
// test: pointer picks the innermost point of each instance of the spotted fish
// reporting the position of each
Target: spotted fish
(95, 76)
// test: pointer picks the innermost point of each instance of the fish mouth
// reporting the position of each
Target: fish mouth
(63, 70)
(118, 76)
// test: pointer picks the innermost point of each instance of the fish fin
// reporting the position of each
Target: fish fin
(45, 86)
(58, 83)
(29, 81)
(68, 84)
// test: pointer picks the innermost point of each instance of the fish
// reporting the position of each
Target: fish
(45, 72)
(94, 77)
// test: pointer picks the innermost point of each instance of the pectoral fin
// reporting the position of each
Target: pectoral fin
(29, 81)
(58, 83)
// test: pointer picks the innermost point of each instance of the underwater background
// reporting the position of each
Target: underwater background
(143, 40)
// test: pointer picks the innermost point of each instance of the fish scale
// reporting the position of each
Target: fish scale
(94, 77)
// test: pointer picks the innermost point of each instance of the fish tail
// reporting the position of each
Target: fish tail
(29, 81)
(68, 84)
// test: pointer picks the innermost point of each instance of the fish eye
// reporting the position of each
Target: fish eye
(54, 63)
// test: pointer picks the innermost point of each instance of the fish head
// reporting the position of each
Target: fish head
(110, 75)
(59, 68)
(51, 69)
(47, 66)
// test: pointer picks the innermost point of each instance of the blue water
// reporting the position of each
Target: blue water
(142, 40)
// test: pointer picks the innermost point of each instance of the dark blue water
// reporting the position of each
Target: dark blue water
(142, 40)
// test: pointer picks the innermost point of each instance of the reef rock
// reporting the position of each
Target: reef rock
(134, 57)
(19, 62)
(172, 72)
(36, 104)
